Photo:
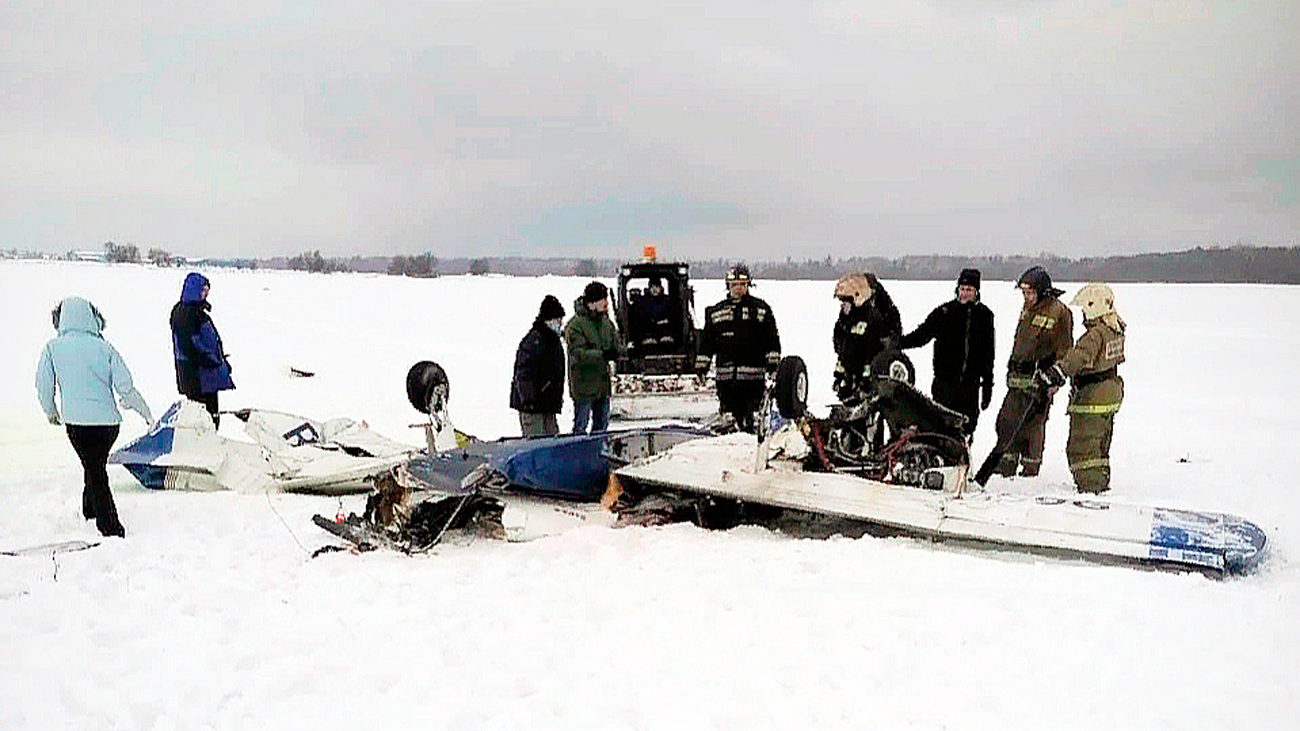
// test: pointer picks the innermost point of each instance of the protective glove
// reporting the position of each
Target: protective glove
(54, 418)
(841, 386)
(986, 395)
(1049, 378)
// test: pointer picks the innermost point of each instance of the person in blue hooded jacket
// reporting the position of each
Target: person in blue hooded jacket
(84, 370)
(202, 370)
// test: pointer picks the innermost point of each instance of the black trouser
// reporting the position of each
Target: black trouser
(741, 399)
(964, 400)
(92, 444)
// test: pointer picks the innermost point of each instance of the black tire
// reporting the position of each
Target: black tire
(894, 364)
(421, 381)
(792, 387)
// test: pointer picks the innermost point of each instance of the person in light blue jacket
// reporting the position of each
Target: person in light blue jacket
(84, 370)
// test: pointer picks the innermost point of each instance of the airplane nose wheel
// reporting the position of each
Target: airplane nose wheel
(792, 387)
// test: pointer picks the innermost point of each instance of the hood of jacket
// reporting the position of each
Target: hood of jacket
(78, 315)
(192, 289)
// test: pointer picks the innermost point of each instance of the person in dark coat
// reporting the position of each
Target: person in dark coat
(741, 332)
(868, 324)
(537, 389)
(962, 331)
(202, 370)
(653, 318)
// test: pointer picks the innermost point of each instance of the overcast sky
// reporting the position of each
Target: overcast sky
(725, 129)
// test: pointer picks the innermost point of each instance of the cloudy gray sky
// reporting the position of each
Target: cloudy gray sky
(733, 128)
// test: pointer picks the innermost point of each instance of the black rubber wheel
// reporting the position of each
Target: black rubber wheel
(792, 387)
(893, 363)
(421, 381)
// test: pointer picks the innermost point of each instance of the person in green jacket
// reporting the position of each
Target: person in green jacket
(592, 343)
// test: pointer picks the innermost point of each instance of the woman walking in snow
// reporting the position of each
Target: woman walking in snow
(84, 370)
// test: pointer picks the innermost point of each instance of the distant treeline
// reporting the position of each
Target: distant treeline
(1263, 265)
(1231, 264)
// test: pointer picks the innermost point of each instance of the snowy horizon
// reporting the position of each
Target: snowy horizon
(211, 614)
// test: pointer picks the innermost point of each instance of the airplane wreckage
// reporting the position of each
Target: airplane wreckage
(888, 462)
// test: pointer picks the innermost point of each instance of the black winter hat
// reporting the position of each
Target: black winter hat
(595, 292)
(550, 309)
(1037, 278)
(969, 277)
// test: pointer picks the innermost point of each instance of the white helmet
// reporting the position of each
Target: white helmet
(1095, 299)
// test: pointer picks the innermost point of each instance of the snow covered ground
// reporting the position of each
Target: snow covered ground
(211, 614)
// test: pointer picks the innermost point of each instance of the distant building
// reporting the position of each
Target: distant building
(88, 256)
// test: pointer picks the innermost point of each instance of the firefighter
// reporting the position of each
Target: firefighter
(741, 332)
(1096, 389)
(1043, 336)
(868, 324)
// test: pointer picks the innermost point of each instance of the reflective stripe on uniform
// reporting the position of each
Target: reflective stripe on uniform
(1045, 322)
(1090, 464)
(1014, 381)
(741, 373)
(1092, 409)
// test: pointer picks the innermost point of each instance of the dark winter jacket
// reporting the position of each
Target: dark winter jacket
(742, 334)
(592, 343)
(651, 319)
(201, 365)
(538, 383)
(963, 343)
(862, 333)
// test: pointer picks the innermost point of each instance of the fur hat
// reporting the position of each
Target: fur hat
(550, 309)
(969, 277)
(594, 292)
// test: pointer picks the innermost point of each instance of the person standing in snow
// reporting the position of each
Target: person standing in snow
(1044, 334)
(962, 331)
(537, 389)
(592, 343)
(867, 325)
(741, 332)
(84, 370)
(202, 370)
(1096, 389)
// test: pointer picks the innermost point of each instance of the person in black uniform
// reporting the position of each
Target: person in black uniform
(740, 331)
(962, 331)
(867, 325)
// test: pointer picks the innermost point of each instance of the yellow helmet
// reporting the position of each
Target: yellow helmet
(1095, 299)
(856, 286)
